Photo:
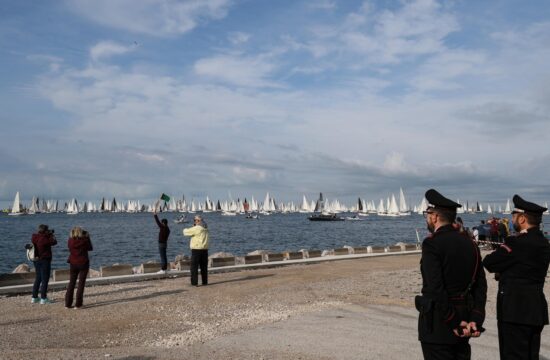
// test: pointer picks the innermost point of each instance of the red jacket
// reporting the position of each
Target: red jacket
(78, 249)
(43, 244)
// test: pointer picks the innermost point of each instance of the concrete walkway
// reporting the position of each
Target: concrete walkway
(347, 333)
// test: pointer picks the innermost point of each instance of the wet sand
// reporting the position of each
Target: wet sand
(349, 309)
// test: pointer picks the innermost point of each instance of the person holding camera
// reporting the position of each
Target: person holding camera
(79, 244)
(43, 241)
(199, 250)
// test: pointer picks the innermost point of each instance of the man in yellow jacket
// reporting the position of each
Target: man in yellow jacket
(199, 250)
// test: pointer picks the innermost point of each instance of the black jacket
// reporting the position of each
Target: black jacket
(450, 263)
(522, 263)
(164, 231)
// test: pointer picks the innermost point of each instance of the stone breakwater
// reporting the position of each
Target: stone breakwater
(24, 275)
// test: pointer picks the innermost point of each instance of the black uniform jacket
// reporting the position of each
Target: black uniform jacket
(450, 261)
(522, 262)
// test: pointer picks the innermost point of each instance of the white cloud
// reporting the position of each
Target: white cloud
(152, 17)
(444, 71)
(322, 5)
(238, 37)
(388, 36)
(106, 49)
(150, 157)
(237, 70)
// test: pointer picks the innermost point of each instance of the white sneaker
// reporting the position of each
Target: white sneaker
(161, 272)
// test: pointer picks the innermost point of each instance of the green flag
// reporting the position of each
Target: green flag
(165, 197)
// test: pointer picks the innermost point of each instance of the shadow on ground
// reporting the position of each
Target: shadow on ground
(246, 278)
(135, 298)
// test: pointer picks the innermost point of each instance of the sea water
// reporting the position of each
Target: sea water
(132, 238)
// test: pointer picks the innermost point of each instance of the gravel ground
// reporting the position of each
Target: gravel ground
(166, 319)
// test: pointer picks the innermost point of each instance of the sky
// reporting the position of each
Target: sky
(234, 98)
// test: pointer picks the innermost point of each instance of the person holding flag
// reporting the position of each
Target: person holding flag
(164, 233)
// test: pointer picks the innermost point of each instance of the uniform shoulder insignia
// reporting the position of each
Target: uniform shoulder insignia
(507, 248)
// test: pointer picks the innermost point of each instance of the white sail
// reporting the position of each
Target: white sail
(381, 209)
(402, 202)
(489, 210)
(72, 208)
(33, 209)
(304, 208)
(507, 209)
(459, 210)
(423, 206)
(16, 207)
(393, 209)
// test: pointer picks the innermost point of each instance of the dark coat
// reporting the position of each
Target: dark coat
(522, 263)
(164, 231)
(450, 263)
(43, 243)
(78, 249)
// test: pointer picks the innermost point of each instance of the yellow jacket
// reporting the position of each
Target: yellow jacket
(199, 237)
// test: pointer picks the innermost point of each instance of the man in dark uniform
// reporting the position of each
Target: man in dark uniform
(454, 289)
(520, 265)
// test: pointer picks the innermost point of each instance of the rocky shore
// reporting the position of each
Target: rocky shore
(169, 319)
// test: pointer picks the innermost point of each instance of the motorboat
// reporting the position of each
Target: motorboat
(325, 217)
(182, 219)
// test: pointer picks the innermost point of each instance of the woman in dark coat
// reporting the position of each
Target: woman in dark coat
(79, 244)
(42, 241)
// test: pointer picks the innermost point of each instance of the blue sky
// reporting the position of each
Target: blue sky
(353, 98)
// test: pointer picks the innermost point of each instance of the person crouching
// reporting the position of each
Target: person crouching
(79, 244)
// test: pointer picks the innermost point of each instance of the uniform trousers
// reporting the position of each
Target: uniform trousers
(517, 341)
(446, 351)
(199, 258)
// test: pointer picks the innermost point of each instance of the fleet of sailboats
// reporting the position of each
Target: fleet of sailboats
(388, 207)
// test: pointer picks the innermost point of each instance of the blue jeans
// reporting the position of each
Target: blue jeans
(162, 251)
(43, 269)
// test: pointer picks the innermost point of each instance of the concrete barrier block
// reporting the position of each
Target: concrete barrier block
(410, 247)
(116, 270)
(294, 255)
(222, 261)
(183, 265)
(341, 251)
(395, 248)
(375, 249)
(253, 259)
(314, 253)
(62, 274)
(275, 257)
(360, 250)
(16, 279)
(149, 268)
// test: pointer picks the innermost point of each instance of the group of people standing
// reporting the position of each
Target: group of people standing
(79, 244)
(454, 288)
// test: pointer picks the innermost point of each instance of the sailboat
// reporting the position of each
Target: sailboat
(507, 209)
(393, 209)
(72, 208)
(34, 208)
(403, 208)
(16, 207)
